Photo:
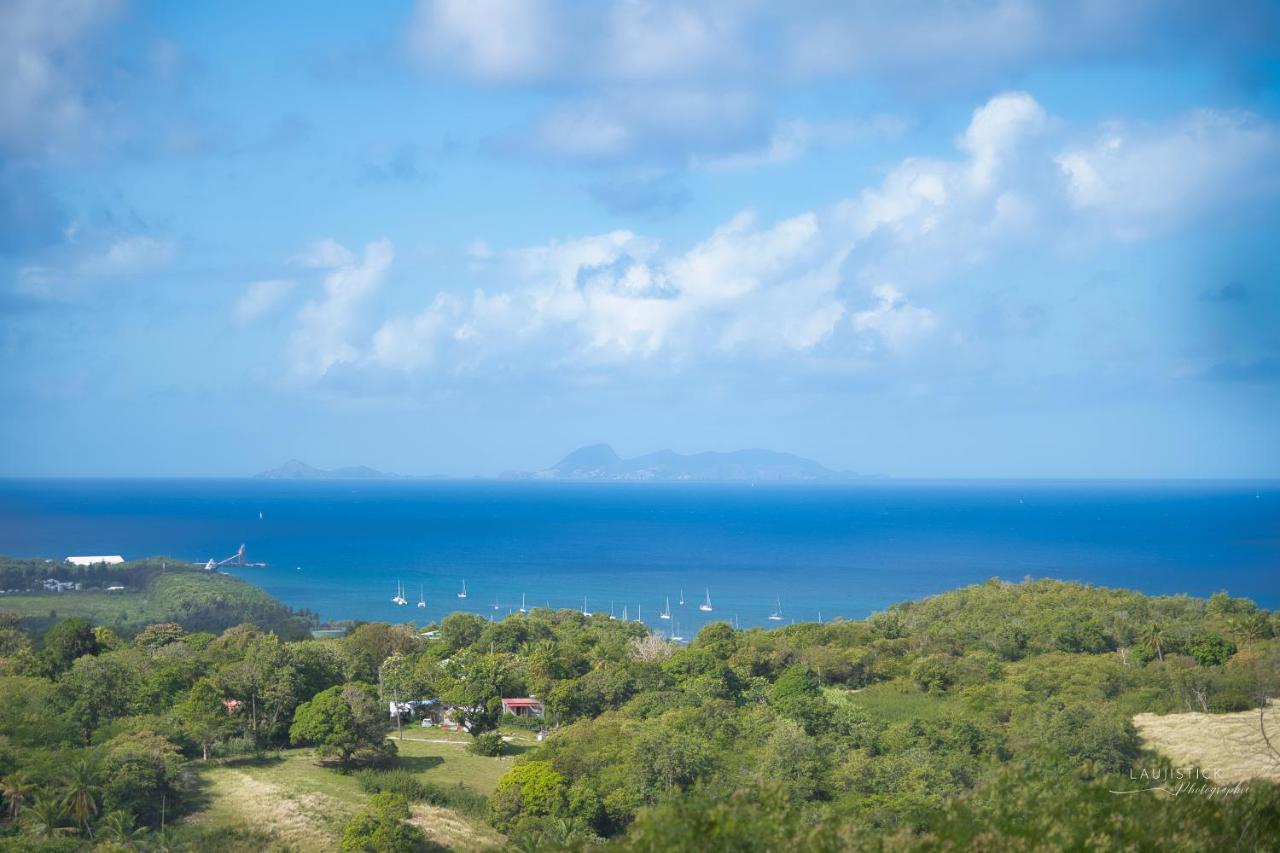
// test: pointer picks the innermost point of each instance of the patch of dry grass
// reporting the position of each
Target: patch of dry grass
(310, 821)
(448, 829)
(1230, 744)
(304, 806)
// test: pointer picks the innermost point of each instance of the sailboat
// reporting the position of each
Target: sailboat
(399, 599)
(705, 606)
(638, 619)
(675, 637)
(776, 615)
(612, 618)
(626, 614)
(666, 614)
(522, 607)
(585, 611)
(422, 598)
(682, 596)
(463, 594)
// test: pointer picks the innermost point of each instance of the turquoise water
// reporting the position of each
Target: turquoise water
(339, 548)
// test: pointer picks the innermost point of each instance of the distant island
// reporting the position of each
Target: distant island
(295, 470)
(599, 462)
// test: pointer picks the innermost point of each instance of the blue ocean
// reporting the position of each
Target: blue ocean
(340, 548)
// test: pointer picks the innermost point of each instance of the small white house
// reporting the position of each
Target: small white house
(109, 559)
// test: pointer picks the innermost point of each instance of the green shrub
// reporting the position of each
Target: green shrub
(403, 783)
(489, 744)
(383, 828)
(398, 781)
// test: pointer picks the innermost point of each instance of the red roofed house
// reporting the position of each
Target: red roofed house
(525, 707)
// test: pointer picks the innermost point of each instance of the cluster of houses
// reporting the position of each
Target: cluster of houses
(433, 712)
(54, 585)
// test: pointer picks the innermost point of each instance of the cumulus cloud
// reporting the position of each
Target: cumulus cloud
(43, 78)
(916, 42)
(996, 129)
(86, 261)
(894, 320)
(852, 281)
(941, 44)
(324, 254)
(323, 337)
(610, 297)
(136, 253)
(615, 68)
(488, 39)
(533, 41)
(259, 298)
(1145, 178)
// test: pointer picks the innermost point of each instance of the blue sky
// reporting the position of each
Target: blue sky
(979, 239)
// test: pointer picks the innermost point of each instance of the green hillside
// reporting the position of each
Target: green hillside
(155, 590)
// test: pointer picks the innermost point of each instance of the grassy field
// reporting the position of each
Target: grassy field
(201, 601)
(304, 806)
(100, 608)
(890, 702)
(1230, 744)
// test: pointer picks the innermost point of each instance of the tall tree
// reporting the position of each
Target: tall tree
(17, 788)
(66, 641)
(204, 715)
(81, 790)
(342, 721)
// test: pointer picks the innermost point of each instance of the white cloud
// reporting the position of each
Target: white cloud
(489, 39)
(42, 78)
(533, 41)
(646, 39)
(410, 344)
(897, 323)
(911, 37)
(129, 255)
(259, 298)
(326, 325)
(324, 254)
(934, 43)
(86, 261)
(1138, 180)
(996, 130)
(852, 281)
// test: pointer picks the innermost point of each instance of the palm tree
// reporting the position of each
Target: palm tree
(1153, 637)
(164, 840)
(118, 826)
(80, 792)
(17, 789)
(46, 819)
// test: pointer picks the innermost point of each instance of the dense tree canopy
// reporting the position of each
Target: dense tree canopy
(998, 716)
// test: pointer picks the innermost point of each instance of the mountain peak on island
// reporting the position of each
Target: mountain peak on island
(586, 462)
(753, 465)
(298, 470)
